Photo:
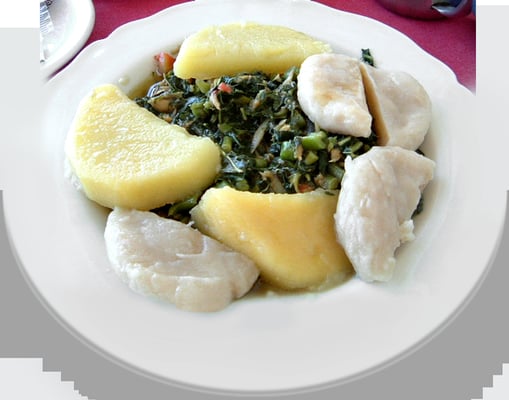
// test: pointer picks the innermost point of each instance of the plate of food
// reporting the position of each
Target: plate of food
(280, 247)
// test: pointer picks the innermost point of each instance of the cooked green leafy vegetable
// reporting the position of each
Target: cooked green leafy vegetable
(268, 143)
(367, 57)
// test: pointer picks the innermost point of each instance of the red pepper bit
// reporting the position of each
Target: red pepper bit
(224, 87)
(164, 63)
(305, 187)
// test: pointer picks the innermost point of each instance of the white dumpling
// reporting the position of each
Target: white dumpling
(331, 93)
(400, 106)
(169, 260)
(379, 193)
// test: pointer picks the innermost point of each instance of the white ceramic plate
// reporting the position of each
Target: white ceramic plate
(73, 21)
(257, 344)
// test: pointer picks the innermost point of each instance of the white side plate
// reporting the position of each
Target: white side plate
(73, 21)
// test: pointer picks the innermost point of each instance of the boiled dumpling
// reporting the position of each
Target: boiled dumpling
(172, 261)
(379, 193)
(400, 106)
(331, 93)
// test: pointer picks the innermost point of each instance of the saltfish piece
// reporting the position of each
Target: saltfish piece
(379, 193)
(331, 93)
(400, 105)
(172, 261)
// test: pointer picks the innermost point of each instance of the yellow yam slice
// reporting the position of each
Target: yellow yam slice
(124, 156)
(290, 237)
(243, 47)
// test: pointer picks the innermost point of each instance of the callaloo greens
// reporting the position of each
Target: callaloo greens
(367, 57)
(268, 144)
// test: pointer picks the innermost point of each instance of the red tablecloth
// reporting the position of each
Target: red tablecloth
(452, 41)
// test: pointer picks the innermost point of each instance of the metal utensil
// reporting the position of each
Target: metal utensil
(429, 9)
(45, 27)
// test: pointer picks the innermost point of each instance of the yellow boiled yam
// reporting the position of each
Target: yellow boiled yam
(243, 47)
(124, 156)
(290, 237)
